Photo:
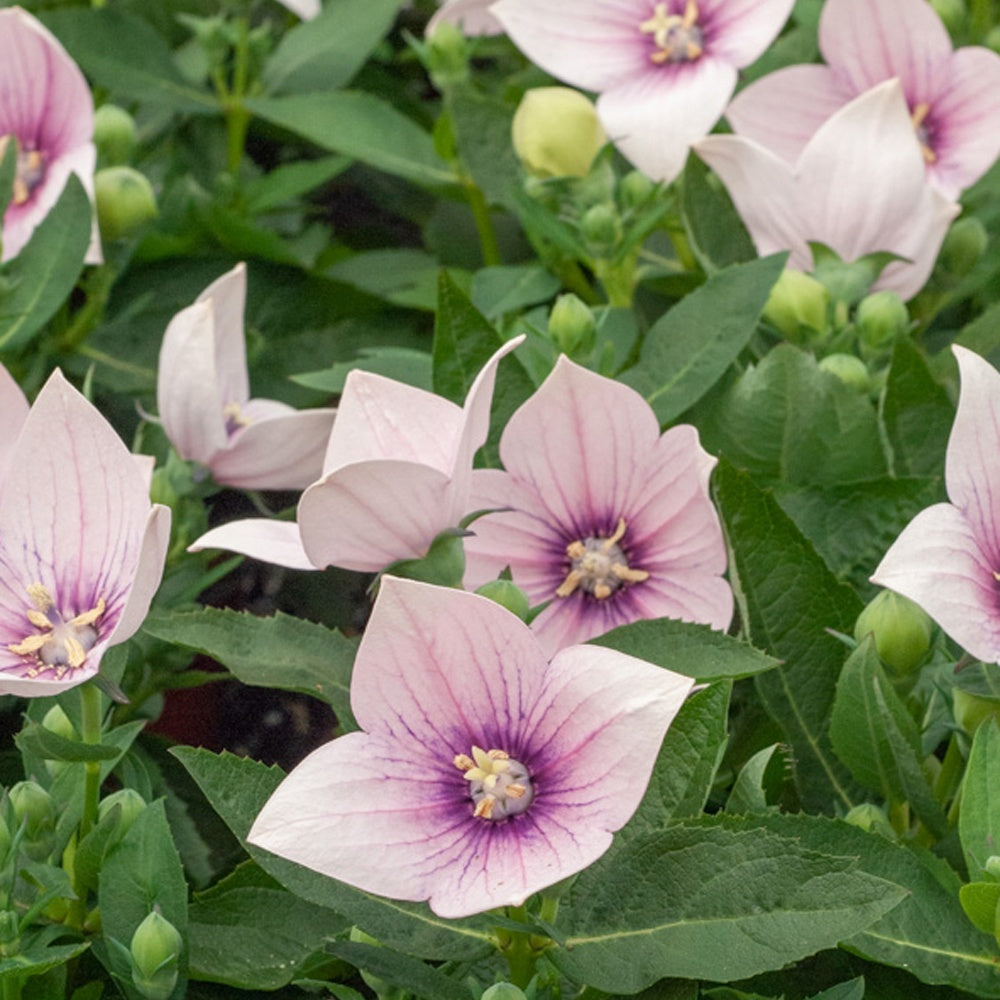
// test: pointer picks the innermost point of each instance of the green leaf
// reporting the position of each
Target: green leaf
(404, 364)
(979, 819)
(35, 739)
(711, 901)
(980, 901)
(689, 348)
(875, 736)
(289, 181)
(686, 648)
(410, 974)
(790, 599)
(40, 278)
(481, 127)
(39, 959)
(713, 226)
(404, 277)
(750, 790)
(282, 651)
(324, 53)
(511, 287)
(852, 990)
(238, 789)
(362, 126)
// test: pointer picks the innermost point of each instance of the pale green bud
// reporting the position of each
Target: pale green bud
(447, 56)
(602, 228)
(34, 808)
(156, 949)
(634, 189)
(572, 326)
(797, 306)
(850, 370)
(992, 866)
(58, 722)
(880, 318)
(125, 201)
(963, 246)
(971, 711)
(872, 819)
(556, 132)
(130, 804)
(503, 991)
(114, 135)
(10, 937)
(901, 629)
(508, 595)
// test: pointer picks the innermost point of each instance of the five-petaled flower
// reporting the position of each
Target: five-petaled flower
(947, 559)
(484, 773)
(47, 110)
(203, 392)
(81, 547)
(599, 514)
(664, 70)
(953, 97)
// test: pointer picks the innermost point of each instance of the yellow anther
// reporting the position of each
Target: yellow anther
(38, 619)
(516, 791)
(463, 762)
(672, 30)
(627, 575)
(573, 579)
(75, 653)
(89, 617)
(614, 539)
(484, 807)
(40, 597)
(31, 644)
(234, 414)
(602, 591)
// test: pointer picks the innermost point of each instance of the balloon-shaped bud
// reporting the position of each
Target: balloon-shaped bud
(556, 132)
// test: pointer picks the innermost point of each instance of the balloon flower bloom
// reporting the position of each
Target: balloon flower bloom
(203, 392)
(472, 16)
(947, 559)
(664, 71)
(484, 773)
(598, 514)
(47, 110)
(953, 97)
(81, 547)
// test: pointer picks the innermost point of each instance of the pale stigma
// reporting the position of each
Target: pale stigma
(598, 566)
(499, 785)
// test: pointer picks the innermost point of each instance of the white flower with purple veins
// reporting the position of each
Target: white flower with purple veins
(484, 773)
(81, 547)
(664, 70)
(472, 16)
(45, 108)
(953, 97)
(203, 395)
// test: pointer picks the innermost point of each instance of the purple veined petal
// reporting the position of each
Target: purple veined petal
(187, 390)
(277, 542)
(740, 30)
(578, 618)
(783, 110)
(472, 16)
(228, 297)
(445, 670)
(653, 118)
(939, 563)
(280, 452)
(13, 410)
(596, 45)
(370, 514)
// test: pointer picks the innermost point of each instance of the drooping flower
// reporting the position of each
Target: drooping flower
(947, 559)
(858, 187)
(664, 70)
(953, 97)
(13, 411)
(599, 514)
(203, 394)
(396, 475)
(81, 547)
(483, 773)
(47, 109)
(472, 16)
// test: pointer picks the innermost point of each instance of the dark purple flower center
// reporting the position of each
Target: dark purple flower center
(676, 37)
(29, 173)
(598, 566)
(498, 785)
(922, 127)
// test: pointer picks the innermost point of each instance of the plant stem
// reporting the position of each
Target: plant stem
(517, 949)
(90, 724)
(484, 224)
(237, 116)
(97, 287)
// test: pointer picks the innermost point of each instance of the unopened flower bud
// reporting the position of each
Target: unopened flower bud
(964, 244)
(58, 722)
(125, 201)
(556, 132)
(10, 937)
(572, 326)
(114, 135)
(508, 595)
(34, 808)
(971, 710)
(901, 629)
(634, 189)
(156, 948)
(952, 12)
(447, 55)
(129, 802)
(880, 318)
(872, 819)
(602, 228)
(992, 866)
(797, 306)
(850, 370)
(503, 991)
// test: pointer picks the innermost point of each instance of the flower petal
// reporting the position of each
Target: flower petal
(13, 410)
(305, 9)
(275, 542)
(740, 30)
(228, 297)
(472, 16)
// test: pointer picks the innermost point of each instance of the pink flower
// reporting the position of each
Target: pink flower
(396, 474)
(13, 411)
(203, 392)
(947, 559)
(953, 97)
(81, 547)
(609, 521)
(858, 187)
(46, 107)
(484, 773)
(664, 70)
(472, 16)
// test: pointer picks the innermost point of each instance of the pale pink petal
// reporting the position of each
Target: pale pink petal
(577, 618)
(277, 542)
(228, 297)
(13, 410)
(187, 388)
(305, 9)
(939, 563)
(740, 30)
(472, 16)
(782, 111)
(147, 466)
(282, 452)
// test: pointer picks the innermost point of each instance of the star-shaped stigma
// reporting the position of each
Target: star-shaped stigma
(61, 644)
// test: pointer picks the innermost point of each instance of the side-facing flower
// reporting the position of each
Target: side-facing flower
(858, 187)
(396, 475)
(947, 559)
(483, 773)
(664, 70)
(599, 514)
(13, 411)
(472, 16)
(47, 109)
(203, 395)
(953, 97)
(81, 547)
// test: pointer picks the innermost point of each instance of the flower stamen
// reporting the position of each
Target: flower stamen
(28, 173)
(499, 786)
(917, 117)
(598, 566)
(677, 37)
(235, 417)
(61, 644)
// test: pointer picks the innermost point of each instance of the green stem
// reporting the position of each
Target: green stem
(90, 725)
(237, 116)
(951, 772)
(517, 949)
(10, 987)
(97, 287)
(484, 224)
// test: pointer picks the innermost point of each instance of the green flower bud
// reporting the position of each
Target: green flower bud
(880, 318)
(129, 802)
(572, 326)
(901, 629)
(992, 866)
(447, 56)
(114, 135)
(556, 132)
(872, 819)
(964, 244)
(850, 370)
(797, 306)
(602, 228)
(378, 986)
(125, 201)
(635, 189)
(156, 948)
(10, 938)
(35, 809)
(952, 12)
(58, 722)
(508, 595)
(503, 991)
(971, 710)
